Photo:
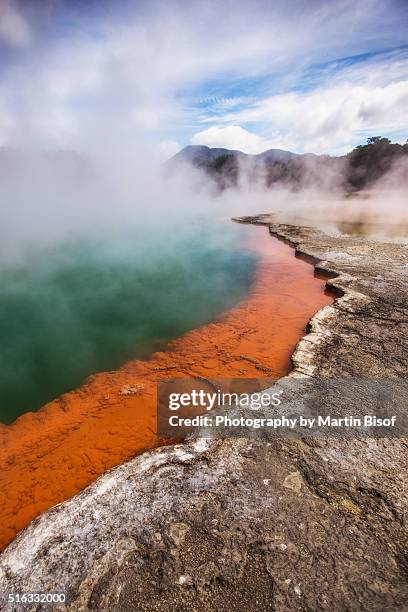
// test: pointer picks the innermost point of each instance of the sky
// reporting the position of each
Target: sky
(131, 76)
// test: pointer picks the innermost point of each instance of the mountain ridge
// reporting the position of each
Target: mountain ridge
(358, 169)
(226, 166)
(193, 152)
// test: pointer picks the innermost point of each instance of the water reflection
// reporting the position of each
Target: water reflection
(378, 231)
(376, 216)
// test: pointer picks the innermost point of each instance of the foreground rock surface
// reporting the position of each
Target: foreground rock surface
(311, 524)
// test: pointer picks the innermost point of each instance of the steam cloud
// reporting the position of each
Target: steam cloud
(92, 100)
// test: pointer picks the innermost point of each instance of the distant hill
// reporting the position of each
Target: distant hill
(273, 155)
(370, 162)
(226, 166)
(200, 155)
(357, 170)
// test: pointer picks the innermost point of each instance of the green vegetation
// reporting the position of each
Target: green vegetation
(368, 163)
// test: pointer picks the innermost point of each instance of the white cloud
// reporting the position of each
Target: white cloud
(232, 137)
(112, 80)
(14, 29)
(330, 118)
(146, 118)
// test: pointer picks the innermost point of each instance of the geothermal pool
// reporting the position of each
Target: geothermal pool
(90, 306)
(259, 300)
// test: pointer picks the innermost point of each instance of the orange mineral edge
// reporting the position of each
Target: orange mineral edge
(48, 456)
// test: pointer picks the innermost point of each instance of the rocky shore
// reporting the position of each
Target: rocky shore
(239, 524)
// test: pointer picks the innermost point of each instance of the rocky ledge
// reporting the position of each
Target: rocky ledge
(239, 524)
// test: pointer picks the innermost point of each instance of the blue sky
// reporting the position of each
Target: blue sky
(303, 75)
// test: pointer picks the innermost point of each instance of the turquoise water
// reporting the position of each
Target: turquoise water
(87, 306)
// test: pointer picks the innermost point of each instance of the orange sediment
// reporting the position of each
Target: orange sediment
(48, 456)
